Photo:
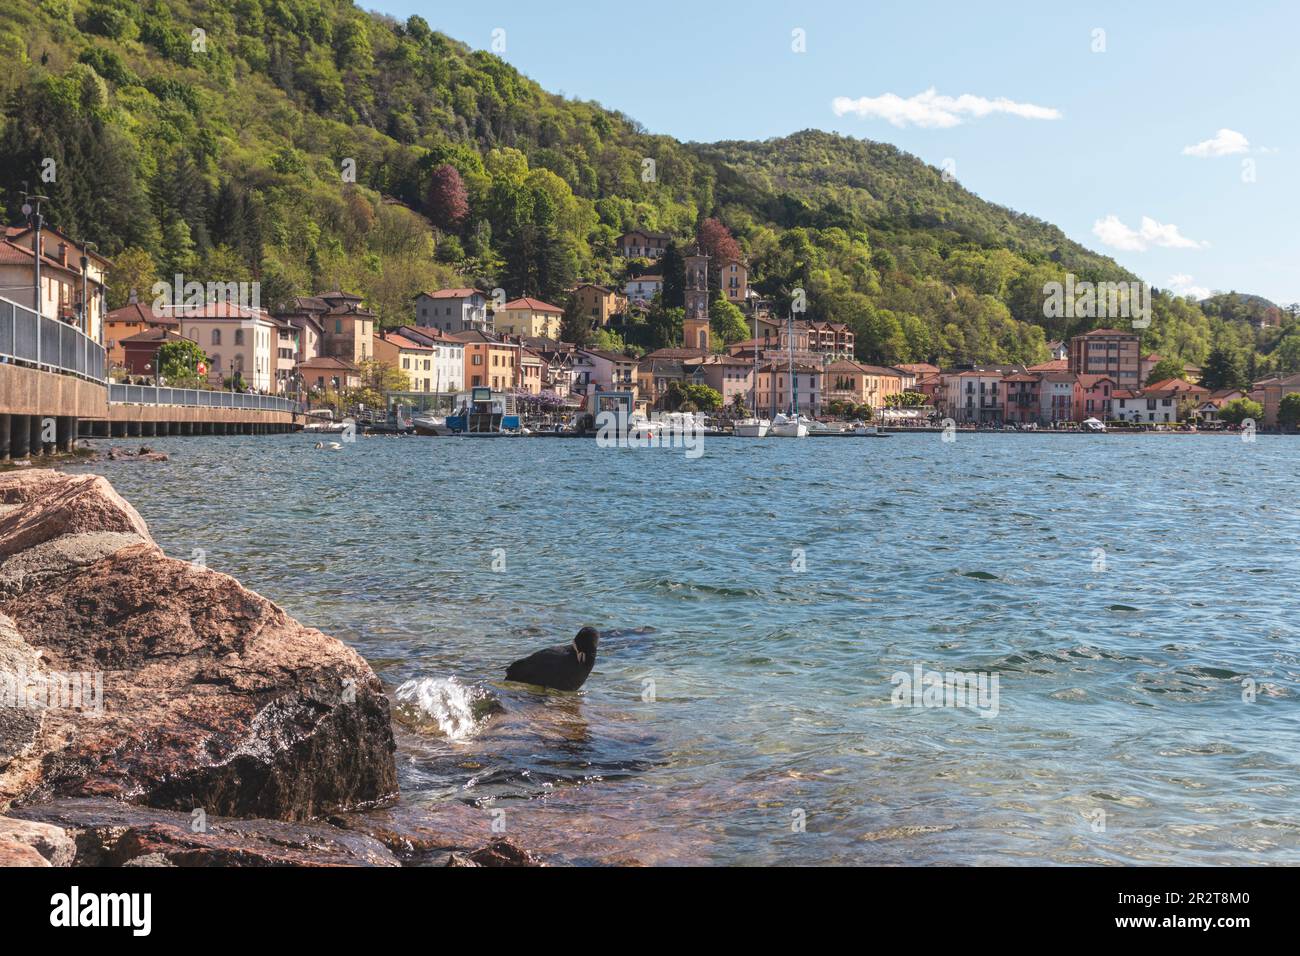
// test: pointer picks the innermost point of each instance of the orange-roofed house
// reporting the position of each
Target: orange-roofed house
(324, 373)
(452, 310)
(598, 303)
(413, 357)
(128, 321)
(529, 317)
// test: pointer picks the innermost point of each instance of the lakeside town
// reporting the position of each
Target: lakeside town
(328, 352)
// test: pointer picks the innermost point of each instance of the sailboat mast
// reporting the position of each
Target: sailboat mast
(794, 382)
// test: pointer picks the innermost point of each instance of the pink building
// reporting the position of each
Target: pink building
(1093, 397)
(1021, 398)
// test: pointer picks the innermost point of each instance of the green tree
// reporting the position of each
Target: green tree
(704, 397)
(178, 362)
(727, 322)
(1166, 369)
(674, 273)
(1239, 409)
(1223, 369)
(1288, 411)
(575, 327)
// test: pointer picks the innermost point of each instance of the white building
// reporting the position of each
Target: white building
(447, 355)
(643, 288)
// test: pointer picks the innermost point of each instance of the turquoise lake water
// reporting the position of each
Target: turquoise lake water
(1134, 596)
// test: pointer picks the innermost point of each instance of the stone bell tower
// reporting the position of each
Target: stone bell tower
(695, 328)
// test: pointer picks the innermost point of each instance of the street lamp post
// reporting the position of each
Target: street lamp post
(32, 210)
(86, 247)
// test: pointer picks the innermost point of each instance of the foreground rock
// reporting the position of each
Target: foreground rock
(110, 833)
(177, 687)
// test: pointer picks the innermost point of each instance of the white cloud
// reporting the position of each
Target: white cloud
(1114, 233)
(1225, 142)
(1182, 284)
(931, 110)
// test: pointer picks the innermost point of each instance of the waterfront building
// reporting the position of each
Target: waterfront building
(62, 276)
(1093, 397)
(130, 320)
(327, 374)
(448, 355)
(1056, 392)
(1109, 352)
(603, 371)
(305, 314)
(859, 383)
(237, 340)
(332, 323)
(453, 310)
(773, 386)
(974, 395)
(1269, 392)
(140, 351)
(1022, 398)
(531, 368)
(411, 356)
(1210, 407)
(657, 370)
(528, 317)
(489, 362)
(729, 376)
(286, 357)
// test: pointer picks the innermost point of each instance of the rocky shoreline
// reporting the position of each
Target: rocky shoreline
(156, 712)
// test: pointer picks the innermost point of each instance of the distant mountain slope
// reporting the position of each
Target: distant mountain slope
(308, 144)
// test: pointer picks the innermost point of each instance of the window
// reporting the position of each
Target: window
(239, 336)
(216, 336)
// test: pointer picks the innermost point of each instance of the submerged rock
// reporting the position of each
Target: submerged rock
(111, 833)
(190, 691)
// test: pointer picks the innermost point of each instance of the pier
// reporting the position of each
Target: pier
(54, 389)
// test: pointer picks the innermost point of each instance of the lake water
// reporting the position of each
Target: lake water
(1134, 597)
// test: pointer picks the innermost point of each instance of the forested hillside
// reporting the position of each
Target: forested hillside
(311, 145)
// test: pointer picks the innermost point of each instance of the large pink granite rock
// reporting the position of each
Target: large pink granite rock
(212, 697)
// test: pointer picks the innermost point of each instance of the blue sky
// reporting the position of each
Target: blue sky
(1187, 121)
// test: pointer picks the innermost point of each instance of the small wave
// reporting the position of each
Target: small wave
(455, 710)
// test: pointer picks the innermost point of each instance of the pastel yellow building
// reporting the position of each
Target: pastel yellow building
(530, 317)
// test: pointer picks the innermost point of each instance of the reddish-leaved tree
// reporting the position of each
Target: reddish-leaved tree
(448, 201)
(715, 240)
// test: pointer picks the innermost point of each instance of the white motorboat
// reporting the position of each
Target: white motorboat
(431, 425)
(786, 427)
(863, 430)
(752, 428)
(1092, 425)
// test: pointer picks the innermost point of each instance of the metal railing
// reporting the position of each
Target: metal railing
(47, 343)
(119, 394)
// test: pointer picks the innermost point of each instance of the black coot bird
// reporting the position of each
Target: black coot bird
(561, 668)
